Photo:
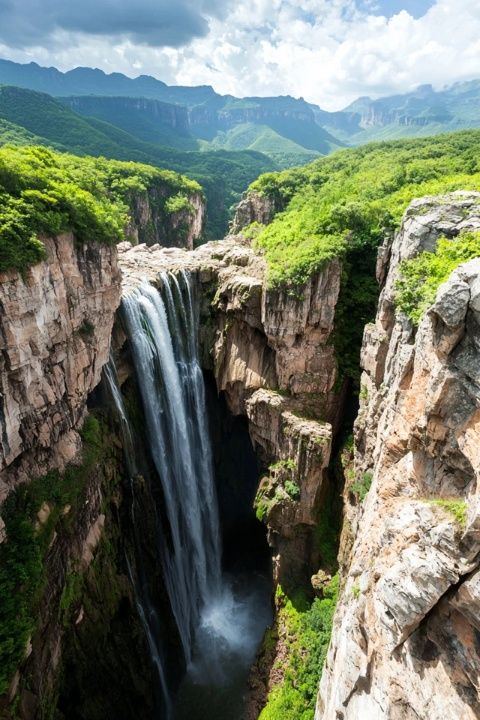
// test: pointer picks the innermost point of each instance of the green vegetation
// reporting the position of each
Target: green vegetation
(71, 592)
(348, 200)
(29, 117)
(45, 193)
(342, 206)
(178, 203)
(361, 487)
(456, 508)
(292, 489)
(287, 464)
(356, 591)
(307, 628)
(251, 136)
(329, 525)
(29, 534)
(363, 394)
(11, 134)
(276, 487)
(421, 276)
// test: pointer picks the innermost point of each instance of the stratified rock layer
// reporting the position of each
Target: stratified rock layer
(55, 327)
(262, 337)
(406, 634)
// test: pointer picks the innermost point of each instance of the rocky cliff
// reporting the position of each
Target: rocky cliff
(271, 357)
(67, 601)
(55, 325)
(153, 112)
(406, 632)
(158, 217)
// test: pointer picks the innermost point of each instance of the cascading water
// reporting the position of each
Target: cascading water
(171, 386)
(219, 623)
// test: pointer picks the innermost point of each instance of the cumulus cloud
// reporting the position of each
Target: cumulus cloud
(328, 51)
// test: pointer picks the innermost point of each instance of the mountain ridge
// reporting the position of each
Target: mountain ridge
(210, 117)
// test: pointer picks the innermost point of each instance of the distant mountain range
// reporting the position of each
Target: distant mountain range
(28, 117)
(222, 141)
(290, 131)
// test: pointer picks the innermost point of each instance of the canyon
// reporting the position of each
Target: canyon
(405, 632)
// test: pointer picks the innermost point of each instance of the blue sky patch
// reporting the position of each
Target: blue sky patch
(416, 8)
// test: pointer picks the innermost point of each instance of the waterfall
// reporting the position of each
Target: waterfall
(163, 338)
(145, 607)
(220, 619)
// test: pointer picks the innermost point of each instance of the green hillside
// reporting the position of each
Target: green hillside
(148, 120)
(46, 193)
(43, 116)
(16, 135)
(39, 118)
(351, 196)
(342, 206)
(262, 138)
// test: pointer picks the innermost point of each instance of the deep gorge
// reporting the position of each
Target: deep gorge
(215, 485)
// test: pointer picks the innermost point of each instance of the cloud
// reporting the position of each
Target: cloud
(154, 23)
(328, 51)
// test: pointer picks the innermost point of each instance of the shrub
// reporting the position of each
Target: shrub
(308, 627)
(361, 487)
(292, 489)
(456, 508)
(178, 203)
(420, 277)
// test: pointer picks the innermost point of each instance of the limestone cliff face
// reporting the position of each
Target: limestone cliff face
(253, 208)
(406, 632)
(271, 357)
(296, 452)
(261, 337)
(150, 223)
(55, 326)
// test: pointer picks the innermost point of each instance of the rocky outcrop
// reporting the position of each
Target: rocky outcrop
(55, 325)
(253, 207)
(296, 452)
(261, 337)
(405, 640)
(151, 221)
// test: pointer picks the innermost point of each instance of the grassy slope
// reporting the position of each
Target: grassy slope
(262, 138)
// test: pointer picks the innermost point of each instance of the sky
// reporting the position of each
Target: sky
(328, 51)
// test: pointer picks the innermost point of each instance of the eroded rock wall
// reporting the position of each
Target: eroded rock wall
(56, 321)
(272, 357)
(406, 633)
(152, 223)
